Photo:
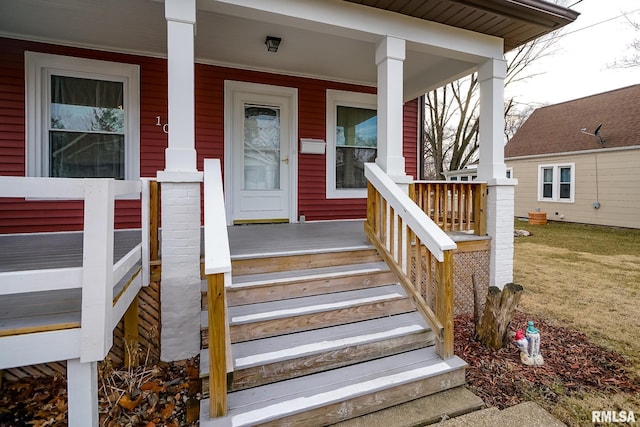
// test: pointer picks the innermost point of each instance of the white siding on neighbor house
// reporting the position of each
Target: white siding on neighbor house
(617, 190)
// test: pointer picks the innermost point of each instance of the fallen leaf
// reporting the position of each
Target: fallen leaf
(167, 411)
(126, 402)
(152, 386)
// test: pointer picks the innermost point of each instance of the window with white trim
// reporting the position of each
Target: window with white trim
(82, 118)
(556, 183)
(352, 139)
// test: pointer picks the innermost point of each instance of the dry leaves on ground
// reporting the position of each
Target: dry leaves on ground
(166, 394)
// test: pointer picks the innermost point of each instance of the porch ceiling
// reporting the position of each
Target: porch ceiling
(232, 33)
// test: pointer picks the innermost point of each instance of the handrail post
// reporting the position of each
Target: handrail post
(97, 270)
(217, 265)
(217, 345)
(444, 304)
(371, 204)
(479, 210)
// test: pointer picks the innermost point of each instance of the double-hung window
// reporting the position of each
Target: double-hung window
(82, 118)
(556, 183)
(352, 140)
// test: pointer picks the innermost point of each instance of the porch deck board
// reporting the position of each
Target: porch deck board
(253, 240)
(20, 252)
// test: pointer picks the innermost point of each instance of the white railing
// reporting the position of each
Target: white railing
(98, 276)
(217, 268)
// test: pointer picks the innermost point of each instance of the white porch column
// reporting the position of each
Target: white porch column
(82, 393)
(390, 55)
(491, 168)
(180, 290)
(181, 18)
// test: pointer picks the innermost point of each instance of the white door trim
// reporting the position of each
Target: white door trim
(230, 87)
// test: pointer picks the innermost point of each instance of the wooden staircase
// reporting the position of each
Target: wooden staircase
(320, 338)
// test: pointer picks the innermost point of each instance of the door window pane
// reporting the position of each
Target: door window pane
(86, 128)
(261, 148)
(356, 142)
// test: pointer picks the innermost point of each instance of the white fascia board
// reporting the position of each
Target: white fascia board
(365, 23)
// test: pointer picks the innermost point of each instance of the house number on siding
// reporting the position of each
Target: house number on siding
(165, 127)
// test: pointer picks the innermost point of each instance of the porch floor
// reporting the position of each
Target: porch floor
(255, 240)
(19, 252)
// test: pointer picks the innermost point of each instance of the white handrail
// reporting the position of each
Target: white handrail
(47, 279)
(57, 188)
(217, 258)
(436, 240)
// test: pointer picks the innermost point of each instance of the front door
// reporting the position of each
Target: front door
(260, 153)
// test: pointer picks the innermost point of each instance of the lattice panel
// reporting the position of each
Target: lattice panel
(148, 328)
(465, 264)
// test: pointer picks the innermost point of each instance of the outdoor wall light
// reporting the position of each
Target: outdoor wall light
(272, 43)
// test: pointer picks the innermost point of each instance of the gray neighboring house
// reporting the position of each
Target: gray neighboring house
(579, 160)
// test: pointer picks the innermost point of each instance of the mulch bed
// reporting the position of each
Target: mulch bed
(572, 364)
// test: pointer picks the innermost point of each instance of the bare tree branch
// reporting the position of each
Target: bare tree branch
(452, 120)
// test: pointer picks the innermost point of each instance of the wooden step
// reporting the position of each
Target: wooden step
(268, 319)
(332, 396)
(275, 286)
(273, 359)
(301, 261)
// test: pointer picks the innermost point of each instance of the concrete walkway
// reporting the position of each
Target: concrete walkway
(455, 408)
(528, 414)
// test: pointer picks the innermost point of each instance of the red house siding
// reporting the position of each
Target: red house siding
(19, 216)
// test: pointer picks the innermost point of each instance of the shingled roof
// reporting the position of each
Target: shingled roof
(556, 128)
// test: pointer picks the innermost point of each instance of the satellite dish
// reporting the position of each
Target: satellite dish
(596, 133)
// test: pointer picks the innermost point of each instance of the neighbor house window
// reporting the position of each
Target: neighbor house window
(352, 139)
(83, 118)
(556, 182)
(509, 172)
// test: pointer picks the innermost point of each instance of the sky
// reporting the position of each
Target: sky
(585, 50)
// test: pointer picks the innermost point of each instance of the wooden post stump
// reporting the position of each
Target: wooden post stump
(497, 315)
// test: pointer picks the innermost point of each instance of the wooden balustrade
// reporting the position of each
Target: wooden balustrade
(416, 250)
(454, 206)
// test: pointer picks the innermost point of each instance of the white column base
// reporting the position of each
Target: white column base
(180, 290)
(500, 217)
(82, 393)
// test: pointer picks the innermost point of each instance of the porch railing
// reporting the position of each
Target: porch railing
(108, 289)
(454, 206)
(217, 268)
(409, 241)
